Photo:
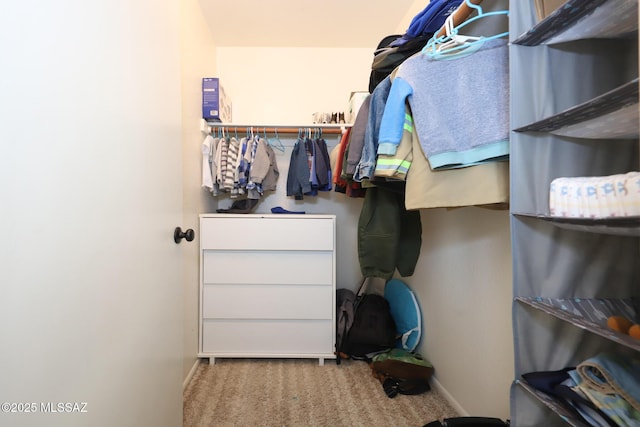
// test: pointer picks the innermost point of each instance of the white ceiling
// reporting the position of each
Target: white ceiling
(305, 23)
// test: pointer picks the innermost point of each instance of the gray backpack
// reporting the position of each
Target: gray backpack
(345, 312)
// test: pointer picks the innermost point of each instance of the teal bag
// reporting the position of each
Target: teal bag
(406, 313)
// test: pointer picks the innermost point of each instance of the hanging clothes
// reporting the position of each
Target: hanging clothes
(313, 175)
(397, 166)
(309, 168)
(486, 184)
(337, 158)
(389, 236)
(263, 173)
(429, 20)
(221, 161)
(245, 166)
(208, 146)
(367, 161)
(299, 176)
(460, 106)
(268, 179)
(357, 137)
(322, 165)
(231, 167)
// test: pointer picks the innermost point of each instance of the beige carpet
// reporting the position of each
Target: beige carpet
(300, 392)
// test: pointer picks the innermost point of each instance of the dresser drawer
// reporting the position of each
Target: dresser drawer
(278, 267)
(267, 302)
(264, 337)
(267, 285)
(268, 232)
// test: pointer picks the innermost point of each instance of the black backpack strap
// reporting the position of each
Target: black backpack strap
(362, 290)
(474, 422)
(394, 386)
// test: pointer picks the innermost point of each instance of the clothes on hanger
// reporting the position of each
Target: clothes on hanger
(342, 182)
(450, 42)
(309, 167)
(429, 20)
(367, 159)
(208, 148)
(485, 183)
(337, 159)
(427, 117)
(394, 49)
(397, 166)
(237, 167)
(389, 236)
(460, 107)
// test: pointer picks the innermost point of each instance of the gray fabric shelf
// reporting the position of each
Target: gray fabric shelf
(628, 226)
(574, 113)
(613, 115)
(590, 314)
(552, 404)
(584, 19)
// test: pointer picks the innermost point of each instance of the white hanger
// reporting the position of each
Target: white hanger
(452, 44)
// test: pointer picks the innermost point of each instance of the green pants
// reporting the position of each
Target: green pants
(389, 236)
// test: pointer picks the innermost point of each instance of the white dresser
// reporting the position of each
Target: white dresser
(267, 286)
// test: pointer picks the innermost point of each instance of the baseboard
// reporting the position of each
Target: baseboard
(192, 371)
(459, 409)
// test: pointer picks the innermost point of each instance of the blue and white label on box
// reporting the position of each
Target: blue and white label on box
(215, 105)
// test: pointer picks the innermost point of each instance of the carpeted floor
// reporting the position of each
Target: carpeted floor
(300, 392)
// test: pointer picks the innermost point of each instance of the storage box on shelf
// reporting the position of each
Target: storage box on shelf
(216, 105)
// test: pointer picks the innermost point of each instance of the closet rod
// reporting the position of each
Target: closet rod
(326, 129)
(460, 15)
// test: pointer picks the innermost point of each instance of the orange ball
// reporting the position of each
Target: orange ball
(634, 331)
(619, 323)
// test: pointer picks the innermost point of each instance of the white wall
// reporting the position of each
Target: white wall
(198, 60)
(287, 85)
(463, 284)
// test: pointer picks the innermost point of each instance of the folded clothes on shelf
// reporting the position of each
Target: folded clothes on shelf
(612, 383)
(603, 390)
(596, 197)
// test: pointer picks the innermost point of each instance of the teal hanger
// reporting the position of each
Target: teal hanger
(274, 142)
(453, 44)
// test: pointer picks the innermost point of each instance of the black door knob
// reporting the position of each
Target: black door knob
(178, 235)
